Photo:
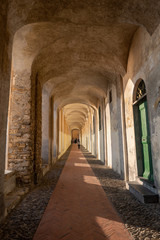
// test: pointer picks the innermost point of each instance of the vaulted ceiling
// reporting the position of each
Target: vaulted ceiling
(77, 47)
(76, 115)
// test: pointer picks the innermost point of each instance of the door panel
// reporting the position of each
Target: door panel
(145, 140)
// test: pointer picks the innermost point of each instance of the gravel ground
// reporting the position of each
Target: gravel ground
(23, 221)
(141, 220)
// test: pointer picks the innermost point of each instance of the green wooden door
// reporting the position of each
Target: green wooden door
(146, 146)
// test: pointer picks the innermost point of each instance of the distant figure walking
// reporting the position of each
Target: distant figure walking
(78, 141)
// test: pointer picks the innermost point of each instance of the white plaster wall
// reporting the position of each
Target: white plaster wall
(93, 145)
(55, 132)
(119, 125)
(128, 93)
(64, 135)
(101, 145)
(153, 85)
(84, 136)
(60, 133)
(45, 127)
(109, 140)
(114, 131)
(144, 63)
(114, 135)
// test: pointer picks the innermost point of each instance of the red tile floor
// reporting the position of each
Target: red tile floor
(79, 208)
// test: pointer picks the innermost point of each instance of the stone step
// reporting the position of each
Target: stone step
(45, 168)
(9, 181)
(13, 198)
(143, 194)
(147, 184)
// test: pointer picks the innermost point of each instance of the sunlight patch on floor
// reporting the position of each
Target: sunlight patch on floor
(103, 223)
(82, 158)
(81, 165)
(91, 180)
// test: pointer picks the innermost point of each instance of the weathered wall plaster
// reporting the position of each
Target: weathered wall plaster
(5, 62)
(143, 63)
(78, 49)
(45, 126)
(114, 129)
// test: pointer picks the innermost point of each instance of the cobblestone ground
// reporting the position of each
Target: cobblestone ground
(141, 220)
(23, 221)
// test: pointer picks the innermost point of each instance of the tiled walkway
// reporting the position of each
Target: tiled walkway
(78, 208)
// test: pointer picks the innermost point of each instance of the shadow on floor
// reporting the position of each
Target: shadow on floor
(141, 220)
(23, 221)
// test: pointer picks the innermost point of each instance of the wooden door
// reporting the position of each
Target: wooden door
(145, 140)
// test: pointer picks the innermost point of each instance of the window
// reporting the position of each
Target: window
(141, 90)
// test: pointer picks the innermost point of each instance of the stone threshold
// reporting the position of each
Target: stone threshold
(147, 184)
(45, 168)
(9, 181)
(12, 194)
(142, 193)
(13, 198)
(8, 173)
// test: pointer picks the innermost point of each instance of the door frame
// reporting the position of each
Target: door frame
(138, 136)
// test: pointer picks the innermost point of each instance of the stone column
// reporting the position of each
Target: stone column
(97, 134)
(20, 141)
(5, 70)
(62, 118)
(51, 130)
(105, 133)
(92, 135)
(60, 129)
(45, 126)
(124, 136)
(55, 132)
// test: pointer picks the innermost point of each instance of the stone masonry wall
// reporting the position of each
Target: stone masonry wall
(45, 127)
(5, 61)
(20, 143)
(36, 116)
(25, 128)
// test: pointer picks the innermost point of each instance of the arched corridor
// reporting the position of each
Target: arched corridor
(79, 72)
(25, 218)
(79, 209)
